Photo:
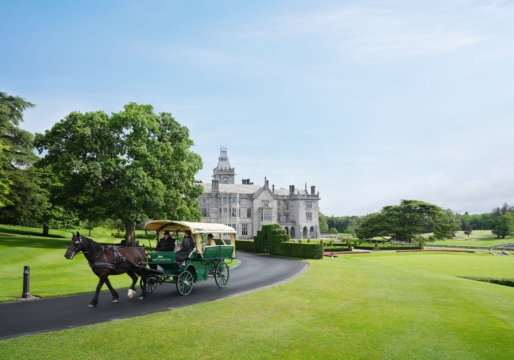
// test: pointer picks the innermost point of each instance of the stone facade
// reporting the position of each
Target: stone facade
(246, 207)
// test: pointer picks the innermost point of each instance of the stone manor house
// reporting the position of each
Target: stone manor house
(246, 207)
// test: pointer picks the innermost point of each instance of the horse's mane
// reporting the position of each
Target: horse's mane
(95, 247)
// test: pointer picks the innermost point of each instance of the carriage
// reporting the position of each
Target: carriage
(203, 262)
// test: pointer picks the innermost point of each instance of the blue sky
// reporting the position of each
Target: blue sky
(371, 101)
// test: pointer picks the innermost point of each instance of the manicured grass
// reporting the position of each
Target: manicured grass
(376, 306)
(477, 238)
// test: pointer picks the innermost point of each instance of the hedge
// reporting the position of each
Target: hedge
(303, 250)
(499, 281)
(245, 245)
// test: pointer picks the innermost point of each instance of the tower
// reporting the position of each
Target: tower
(223, 172)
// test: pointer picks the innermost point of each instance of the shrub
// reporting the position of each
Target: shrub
(268, 237)
(499, 281)
(336, 248)
(245, 245)
(304, 251)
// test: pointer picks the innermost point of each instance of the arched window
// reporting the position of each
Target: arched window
(287, 230)
(305, 232)
(292, 233)
(311, 232)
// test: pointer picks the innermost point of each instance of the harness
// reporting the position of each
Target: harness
(117, 258)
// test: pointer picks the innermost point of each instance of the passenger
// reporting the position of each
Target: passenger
(166, 243)
(210, 240)
(188, 245)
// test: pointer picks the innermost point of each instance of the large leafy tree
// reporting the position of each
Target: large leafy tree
(131, 166)
(504, 225)
(20, 192)
(407, 222)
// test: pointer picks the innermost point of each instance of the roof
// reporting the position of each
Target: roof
(232, 188)
(195, 227)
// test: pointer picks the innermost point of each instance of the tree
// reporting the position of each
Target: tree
(19, 142)
(20, 193)
(468, 230)
(131, 166)
(323, 226)
(504, 226)
(454, 220)
(407, 222)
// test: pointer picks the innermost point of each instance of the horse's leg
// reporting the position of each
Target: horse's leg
(132, 289)
(115, 295)
(102, 276)
(143, 288)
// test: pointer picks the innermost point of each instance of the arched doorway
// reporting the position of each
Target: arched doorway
(305, 232)
(311, 232)
(292, 233)
(287, 230)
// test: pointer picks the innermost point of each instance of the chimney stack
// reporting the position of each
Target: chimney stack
(313, 190)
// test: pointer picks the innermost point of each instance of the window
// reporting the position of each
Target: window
(233, 212)
(308, 215)
(225, 200)
(224, 214)
(244, 229)
(287, 205)
(249, 212)
(265, 203)
(204, 212)
(267, 215)
(234, 200)
(225, 180)
(204, 201)
(308, 204)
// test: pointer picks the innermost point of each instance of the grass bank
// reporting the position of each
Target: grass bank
(376, 306)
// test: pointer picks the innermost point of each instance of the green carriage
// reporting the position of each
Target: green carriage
(203, 262)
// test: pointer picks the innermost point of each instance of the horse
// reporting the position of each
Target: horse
(110, 260)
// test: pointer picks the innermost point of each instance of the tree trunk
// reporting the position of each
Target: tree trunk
(89, 232)
(130, 234)
(46, 229)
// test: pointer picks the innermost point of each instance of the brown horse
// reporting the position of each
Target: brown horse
(110, 260)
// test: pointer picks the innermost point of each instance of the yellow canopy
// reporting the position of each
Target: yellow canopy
(195, 227)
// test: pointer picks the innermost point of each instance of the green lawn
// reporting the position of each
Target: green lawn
(383, 305)
(477, 238)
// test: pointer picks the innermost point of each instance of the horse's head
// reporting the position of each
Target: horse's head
(76, 246)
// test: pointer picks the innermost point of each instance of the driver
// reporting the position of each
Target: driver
(166, 243)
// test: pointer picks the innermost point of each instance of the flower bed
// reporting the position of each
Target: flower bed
(445, 250)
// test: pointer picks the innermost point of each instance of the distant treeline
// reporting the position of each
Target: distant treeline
(485, 221)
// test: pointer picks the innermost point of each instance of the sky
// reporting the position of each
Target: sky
(370, 101)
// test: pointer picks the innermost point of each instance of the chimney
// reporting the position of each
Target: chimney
(215, 185)
(313, 190)
(273, 191)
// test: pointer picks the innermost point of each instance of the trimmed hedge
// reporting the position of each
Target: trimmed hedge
(499, 281)
(303, 250)
(245, 245)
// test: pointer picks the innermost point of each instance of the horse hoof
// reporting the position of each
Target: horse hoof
(115, 301)
(131, 293)
(91, 305)
(141, 297)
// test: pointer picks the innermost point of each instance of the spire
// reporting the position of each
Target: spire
(223, 172)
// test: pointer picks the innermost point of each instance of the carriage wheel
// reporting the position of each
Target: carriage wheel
(221, 275)
(185, 282)
(149, 283)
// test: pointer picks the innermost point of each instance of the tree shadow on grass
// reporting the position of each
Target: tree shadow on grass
(43, 243)
(9, 230)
